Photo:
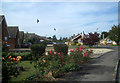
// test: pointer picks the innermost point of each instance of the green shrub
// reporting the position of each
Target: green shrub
(9, 67)
(62, 48)
(37, 50)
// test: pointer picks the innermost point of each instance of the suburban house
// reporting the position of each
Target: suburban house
(107, 41)
(78, 38)
(13, 40)
(21, 38)
(36, 37)
(75, 38)
(4, 29)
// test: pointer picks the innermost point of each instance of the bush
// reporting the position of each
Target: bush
(37, 50)
(56, 64)
(9, 67)
(62, 48)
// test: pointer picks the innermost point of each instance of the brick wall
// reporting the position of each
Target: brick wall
(4, 30)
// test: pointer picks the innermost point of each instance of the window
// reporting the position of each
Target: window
(5, 38)
(108, 41)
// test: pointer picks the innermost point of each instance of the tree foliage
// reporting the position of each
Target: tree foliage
(105, 35)
(91, 39)
(114, 34)
(54, 39)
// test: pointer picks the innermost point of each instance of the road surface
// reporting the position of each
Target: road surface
(99, 69)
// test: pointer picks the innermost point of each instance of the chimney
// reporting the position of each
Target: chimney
(103, 36)
(73, 35)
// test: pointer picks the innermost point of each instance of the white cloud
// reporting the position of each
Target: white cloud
(67, 18)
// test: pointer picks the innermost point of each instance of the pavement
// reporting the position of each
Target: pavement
(102, 68)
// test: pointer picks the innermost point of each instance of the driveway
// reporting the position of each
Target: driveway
(98, 69)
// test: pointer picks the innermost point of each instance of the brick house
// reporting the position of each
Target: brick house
(21, 38)
(4, 29)
(13, 40)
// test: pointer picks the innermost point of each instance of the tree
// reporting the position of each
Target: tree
(105, 35)
(114, 34)
(91, 39)
(54, 38)
(60, 39)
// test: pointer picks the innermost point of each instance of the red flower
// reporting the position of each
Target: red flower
(83, 55)
(62, 60)
(76, 49)
(60, 65)
(89, 51)
(83, 47)
(72, 50)
(50, 52)
(55, 52)
(59, 53)
(80, 49)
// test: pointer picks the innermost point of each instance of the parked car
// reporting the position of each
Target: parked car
(27, 45)
(50, 44)
(59, 43)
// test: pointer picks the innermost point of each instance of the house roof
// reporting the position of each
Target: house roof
(76, 37)
(13, 31)
(21, 34)
(33, 35)
(2, 18)
(104, 39)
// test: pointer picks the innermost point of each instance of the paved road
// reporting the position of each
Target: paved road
(99, 69)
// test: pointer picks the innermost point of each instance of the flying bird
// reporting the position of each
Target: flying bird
(54, 29)
(37, 20)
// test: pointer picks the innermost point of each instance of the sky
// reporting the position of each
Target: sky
(67, 17)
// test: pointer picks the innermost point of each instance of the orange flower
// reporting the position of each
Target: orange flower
(9, 57)
(13, 59)
(44, 61)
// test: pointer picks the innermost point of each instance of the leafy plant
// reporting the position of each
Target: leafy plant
(91, 39)
(114, 34)
(9, 67)
(37, 50)
(62, 48)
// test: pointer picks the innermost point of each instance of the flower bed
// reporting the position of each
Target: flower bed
(55, 64)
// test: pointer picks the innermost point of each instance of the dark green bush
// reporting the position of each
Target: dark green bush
(62, 48)
(37, 50)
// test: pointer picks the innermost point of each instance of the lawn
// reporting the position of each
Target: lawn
(29, 71)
